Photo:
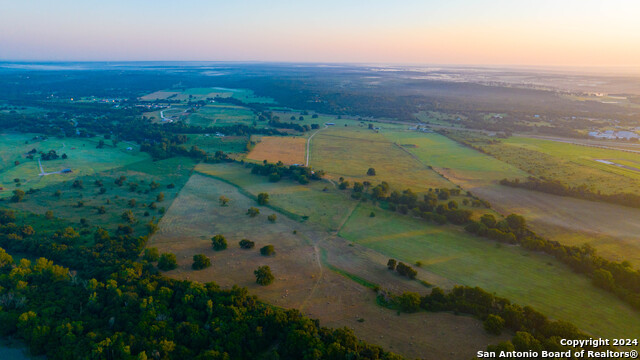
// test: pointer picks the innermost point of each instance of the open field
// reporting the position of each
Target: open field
(115, 199)
(289, 150)
(573, 165)
(443, 153)
(327, 208)
(196, 94)
(83, 159)
(211, 143)
(221, 115)
(303, 278)
(349, 152)
(521, 276)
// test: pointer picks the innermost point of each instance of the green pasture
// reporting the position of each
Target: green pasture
(522, 276)
(211, 143)
(221, 115)
(83, 159)
(312, 202)
(116, 199)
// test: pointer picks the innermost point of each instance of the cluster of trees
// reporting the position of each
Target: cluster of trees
(402, 268)
(617, 277)
(533, 331)
(278, 171)
(556, 187)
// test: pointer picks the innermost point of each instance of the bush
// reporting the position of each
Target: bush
(263, 199)
(263, 275)
(267, 250)
(408, 302)
(151, 254)
(493, 324)
(167, 262)
(218, 242)
(272, 218)
(200, 261)
(253, 211)
(247, 244)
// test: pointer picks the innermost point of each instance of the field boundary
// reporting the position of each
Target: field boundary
(243, 191)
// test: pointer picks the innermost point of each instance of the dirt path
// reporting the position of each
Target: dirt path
(309, 143)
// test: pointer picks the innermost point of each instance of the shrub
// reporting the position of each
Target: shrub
(247, 244)
(151, 254)
(167, 262)
(218, 242)
(200, 261)
(267, 250)
(263, 275)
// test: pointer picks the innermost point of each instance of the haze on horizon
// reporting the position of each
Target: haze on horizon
(586, 33)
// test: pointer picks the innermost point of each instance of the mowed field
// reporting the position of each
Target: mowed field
(349, 152)
(83, 159)
(304, 268)
(196, 94)
(510, 271)
(289, 150)
(211, 143)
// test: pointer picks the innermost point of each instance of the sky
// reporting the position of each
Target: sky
(461, 32)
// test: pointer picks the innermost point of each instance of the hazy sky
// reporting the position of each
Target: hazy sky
(516, 32)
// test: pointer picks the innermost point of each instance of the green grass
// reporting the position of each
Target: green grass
(83, 158)
(352, 277)
(523, 277)
(115, 201)
(441, 152)
(324, 208)
(221, 115)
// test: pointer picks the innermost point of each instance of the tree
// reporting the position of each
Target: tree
(132, 203)
(253, 211)
(391, 264)
(267, 250)
(409, 302)
(167, 262)
(219, 242)
(488, 220)
(493, 324)
(151, 254)
(160, 197)
(77, 184)
(100, 144)
(272, 218)
(18, 195)
(5, 258)
(200, 261)
(246, 244)
(371, 172)
(128, 217)
(263, 198)
(223, 200)
(263, 275)
(48, 214)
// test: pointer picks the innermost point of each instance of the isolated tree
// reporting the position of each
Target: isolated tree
(128, 217)
(167, 262)
(267, 250)
(100, 144)
(263, 198)
(77, 184)
(223, 200)
(371, 172)
(372, 214)
(48, 214)
(219, 242)
(160, 197)
(263, 275)
(132, 203)
(272, 218)
(493, 324)
(391, 264)
(151, 254)
(247, 244)
(253, 211)
(200, 261)
(18, 195)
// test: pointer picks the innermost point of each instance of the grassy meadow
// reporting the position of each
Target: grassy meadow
(510, 271)
(289, 150)
(84, 159)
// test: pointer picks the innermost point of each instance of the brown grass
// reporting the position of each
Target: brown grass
(304, 269)
(289, 150)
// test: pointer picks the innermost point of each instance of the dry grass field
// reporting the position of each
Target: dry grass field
(348, 153)
(305, 267)
(289, 150)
